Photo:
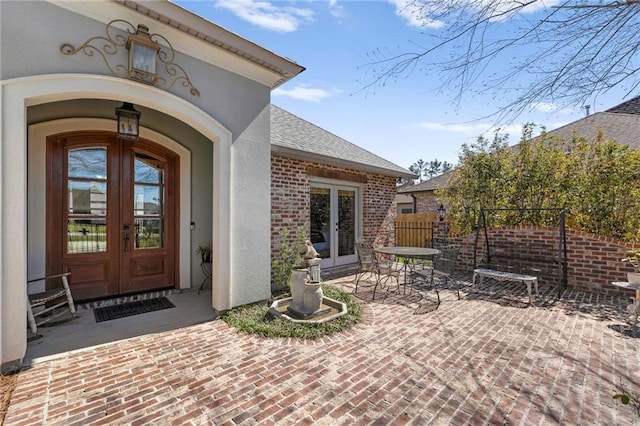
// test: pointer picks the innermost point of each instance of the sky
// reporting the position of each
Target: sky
(336, 41)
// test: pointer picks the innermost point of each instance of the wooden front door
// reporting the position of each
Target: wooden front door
(111, 214)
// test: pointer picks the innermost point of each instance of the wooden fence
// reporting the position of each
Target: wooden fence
(415, 229)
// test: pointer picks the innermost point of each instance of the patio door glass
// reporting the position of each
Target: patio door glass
(334, 222)
(110, 214)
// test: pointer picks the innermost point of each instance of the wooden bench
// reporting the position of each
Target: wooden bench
(506, 276)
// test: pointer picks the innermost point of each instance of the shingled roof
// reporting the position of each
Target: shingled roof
(437, 182)
(298, 138)
(632, 106)
(620, 123)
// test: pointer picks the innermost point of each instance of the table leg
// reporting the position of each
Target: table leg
(636, 311)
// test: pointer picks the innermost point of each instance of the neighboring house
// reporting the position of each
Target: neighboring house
(199, 173)
(423, 194)
(335, 189)
(620, 123)
(404, 203)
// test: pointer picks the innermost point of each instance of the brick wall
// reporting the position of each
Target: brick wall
(426, 202)
(290, 199)
(593, 262)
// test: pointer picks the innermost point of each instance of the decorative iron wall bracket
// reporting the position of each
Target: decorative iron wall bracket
(108, 46)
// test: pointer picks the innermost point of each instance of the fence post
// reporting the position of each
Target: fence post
(440, 232)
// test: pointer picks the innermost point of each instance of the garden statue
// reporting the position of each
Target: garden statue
(309, 252)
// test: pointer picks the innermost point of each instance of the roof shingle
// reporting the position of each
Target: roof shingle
(292, 134)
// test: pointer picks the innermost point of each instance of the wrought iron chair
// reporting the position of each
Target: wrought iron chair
(444, 265)
(50, 304)
(380, 270)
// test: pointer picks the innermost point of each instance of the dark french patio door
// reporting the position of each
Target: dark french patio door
(111, 214)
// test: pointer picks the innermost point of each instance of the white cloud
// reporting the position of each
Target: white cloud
(336, 10)
(304, 93)
(411, 13)
(417, 16)
(473, 130)
(465, 129)
(264, 14)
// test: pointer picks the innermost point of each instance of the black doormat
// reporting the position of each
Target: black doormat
(107, 313)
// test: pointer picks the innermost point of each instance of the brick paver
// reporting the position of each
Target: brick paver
(485, 359)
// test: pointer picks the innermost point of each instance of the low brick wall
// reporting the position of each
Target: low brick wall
(593, 262)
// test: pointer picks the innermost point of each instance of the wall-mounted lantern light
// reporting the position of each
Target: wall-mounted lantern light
(147, 52)
(441, 212)
(142, 56)
(128, 122)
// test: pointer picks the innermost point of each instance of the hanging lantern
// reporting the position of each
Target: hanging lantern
(128, 122)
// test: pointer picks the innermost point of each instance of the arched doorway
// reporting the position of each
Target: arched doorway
(112, 208)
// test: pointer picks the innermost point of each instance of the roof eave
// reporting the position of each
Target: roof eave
(309, 156)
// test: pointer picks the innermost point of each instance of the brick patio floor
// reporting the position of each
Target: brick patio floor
(485, 359)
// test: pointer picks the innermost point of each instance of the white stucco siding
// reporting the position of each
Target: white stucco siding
(20, 93)
(232, 99)
(251, 221)
(231, 114)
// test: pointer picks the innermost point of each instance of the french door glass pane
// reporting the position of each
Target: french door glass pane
(86, 235)
(147, 169)
(346, 222)
(148, 202)
(87, 200)
(148, 233)
(320, 221)
(89, 163)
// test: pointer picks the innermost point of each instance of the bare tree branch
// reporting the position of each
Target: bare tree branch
(565, 54)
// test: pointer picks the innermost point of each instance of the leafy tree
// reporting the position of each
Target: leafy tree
(598, 182)
(565, 51)
(478, 181)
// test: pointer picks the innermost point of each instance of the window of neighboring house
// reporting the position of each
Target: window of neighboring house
(406, 210)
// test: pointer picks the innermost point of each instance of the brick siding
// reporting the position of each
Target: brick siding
(426, 202)
(593, 262)
(290, 199)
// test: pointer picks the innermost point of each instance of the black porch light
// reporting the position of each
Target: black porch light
(441, 212)
(128, 122)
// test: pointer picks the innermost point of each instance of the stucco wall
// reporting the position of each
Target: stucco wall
(229, 113)
(290, 199)
(250, 222)
(233, 100)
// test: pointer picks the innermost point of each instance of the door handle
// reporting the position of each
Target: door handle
(125, 236)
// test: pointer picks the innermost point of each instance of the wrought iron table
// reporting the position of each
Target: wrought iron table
(408, 254)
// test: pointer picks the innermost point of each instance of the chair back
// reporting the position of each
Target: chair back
(445, 262)
(366, 255)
